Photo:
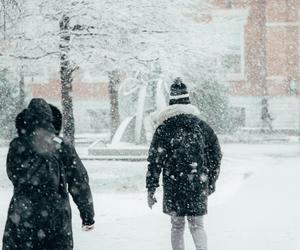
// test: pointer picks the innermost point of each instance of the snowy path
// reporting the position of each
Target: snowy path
(256, 206)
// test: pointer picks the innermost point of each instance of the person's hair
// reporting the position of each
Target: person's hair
(20, 123)
(57, 119)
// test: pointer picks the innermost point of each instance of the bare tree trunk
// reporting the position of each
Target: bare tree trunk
(66, 79)
(22, 90)
(113, 85)
(4, 17)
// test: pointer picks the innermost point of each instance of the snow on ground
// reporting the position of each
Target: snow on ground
(256, 206)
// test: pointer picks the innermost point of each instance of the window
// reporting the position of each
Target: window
(239, 117)
(229, 28)
(232, 58)
(293, 87)
(232, 63)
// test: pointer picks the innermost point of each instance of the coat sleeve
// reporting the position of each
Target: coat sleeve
(155, 160)
(214, 157)
(78, 185)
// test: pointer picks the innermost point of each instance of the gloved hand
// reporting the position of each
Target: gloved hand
(151, 199)
(88, 228)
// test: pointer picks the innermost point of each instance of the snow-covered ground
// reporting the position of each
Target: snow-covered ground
(256, 206)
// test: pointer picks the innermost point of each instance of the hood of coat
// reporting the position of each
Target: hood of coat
(21, 124)
(177, 109)
(39, 115)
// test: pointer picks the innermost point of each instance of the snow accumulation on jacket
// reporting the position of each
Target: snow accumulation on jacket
(187, 150)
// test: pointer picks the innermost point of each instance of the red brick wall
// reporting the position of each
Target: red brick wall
(281, 43)
(81, 91)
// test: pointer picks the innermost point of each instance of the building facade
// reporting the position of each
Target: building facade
(263, 59)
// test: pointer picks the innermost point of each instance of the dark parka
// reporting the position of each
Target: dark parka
(43, 169)
(187, 150)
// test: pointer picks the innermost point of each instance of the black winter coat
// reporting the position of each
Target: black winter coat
(43, 169)
(187, 150)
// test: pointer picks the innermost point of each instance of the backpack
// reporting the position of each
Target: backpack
(187, 149)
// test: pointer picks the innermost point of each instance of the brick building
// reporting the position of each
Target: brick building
(263, 55)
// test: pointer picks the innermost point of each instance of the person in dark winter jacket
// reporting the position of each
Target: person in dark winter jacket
(187, 151)
(44, 168)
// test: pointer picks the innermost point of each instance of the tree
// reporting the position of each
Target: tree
(113, 85)
(9, 14)
(142, 32)
(21, 103)
(114, 36)
(75, 27)
(66, 79)
(9, 95)
(64, 44)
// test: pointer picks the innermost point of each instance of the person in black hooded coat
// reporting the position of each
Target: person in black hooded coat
(187, 150)
(44, 168)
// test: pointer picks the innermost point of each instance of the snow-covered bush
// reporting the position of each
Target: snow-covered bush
(211, 98)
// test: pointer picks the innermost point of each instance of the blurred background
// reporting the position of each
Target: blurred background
(239, 58)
